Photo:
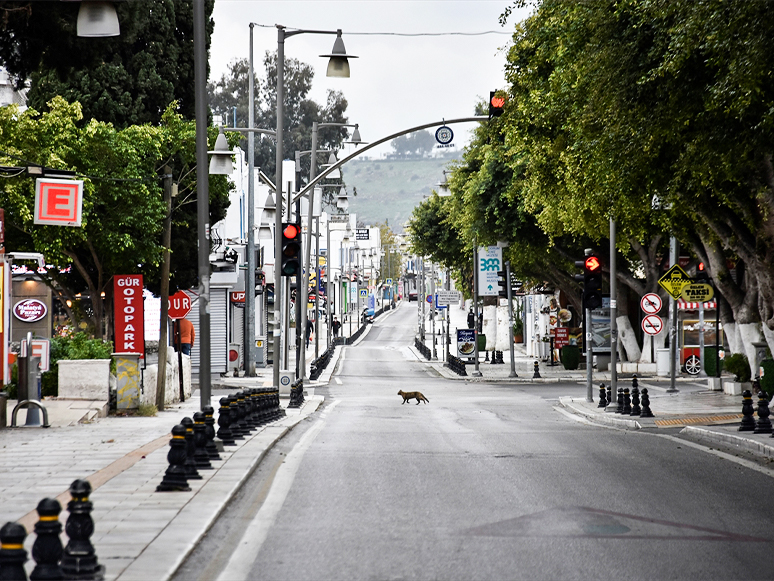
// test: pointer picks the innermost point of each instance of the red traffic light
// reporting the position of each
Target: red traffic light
(290, 231)
(592, 263)
(498, 102)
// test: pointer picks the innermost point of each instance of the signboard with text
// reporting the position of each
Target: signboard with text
(58, 202)
(466, 342)
(561, 337)
(129, 314)
(490, 260)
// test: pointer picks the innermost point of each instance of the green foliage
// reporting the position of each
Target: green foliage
(77, 346)
(147, 410)
(710, 358)
(739, 366)
(125, 80)
(518, 326)
(416, 144)
(569, 355)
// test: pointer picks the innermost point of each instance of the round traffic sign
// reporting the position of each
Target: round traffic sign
(652, 324)
(651, 303)
(179, 305)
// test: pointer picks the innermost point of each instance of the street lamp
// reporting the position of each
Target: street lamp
(338, 66)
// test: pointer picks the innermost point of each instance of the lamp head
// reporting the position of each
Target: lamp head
(97, 19)
(338, 66)
(220, 163)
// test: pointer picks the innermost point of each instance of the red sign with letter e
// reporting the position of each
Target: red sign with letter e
(58, 202)
(128, 308)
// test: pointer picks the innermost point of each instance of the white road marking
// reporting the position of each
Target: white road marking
(241, 561)
(337, 380)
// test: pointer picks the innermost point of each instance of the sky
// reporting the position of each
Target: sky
(398, 82)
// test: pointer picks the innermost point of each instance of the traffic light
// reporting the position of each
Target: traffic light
(291, 249)
(496, 103)
(502, 282)
(592, 282)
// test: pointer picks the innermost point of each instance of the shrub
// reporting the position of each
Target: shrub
(518, 326)
(739, 366)
(77, 346)
(710, 358)
(569, 355)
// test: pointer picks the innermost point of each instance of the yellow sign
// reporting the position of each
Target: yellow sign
(258, 343)
(674, 280)
(698, 293)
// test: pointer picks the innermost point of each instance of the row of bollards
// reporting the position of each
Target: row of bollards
(296, 393)
(763, 425)
(456, 364)
(629, 403)
(193, 448)
(77, 560)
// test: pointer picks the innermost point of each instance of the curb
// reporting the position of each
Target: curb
(747, 444)
(567, 403)
(180, 536)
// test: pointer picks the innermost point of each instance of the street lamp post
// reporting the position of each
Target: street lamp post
(338, 66)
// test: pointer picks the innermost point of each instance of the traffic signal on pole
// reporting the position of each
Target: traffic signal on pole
(592, 282)
(496, 103)
(502, 282)
(291, 249)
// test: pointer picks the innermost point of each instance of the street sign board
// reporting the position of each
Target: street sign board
(179, 305)
(388, 281)
(674, 280)
(652, 324)
(650, 304)
(338, 218)
(448, 297)
(129, 314)
(58, 202)
(466, 342)
(363, 293)
(362, 234)
(490, 260)
(698, 292)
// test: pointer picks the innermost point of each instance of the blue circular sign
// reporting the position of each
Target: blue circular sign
(444, 135)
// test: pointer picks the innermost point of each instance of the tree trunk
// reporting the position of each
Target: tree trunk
(161, 375)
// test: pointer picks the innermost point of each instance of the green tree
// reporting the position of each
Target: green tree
(126, 80)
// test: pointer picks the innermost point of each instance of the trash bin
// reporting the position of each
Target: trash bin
(662, 362)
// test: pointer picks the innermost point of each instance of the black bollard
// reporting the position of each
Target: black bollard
(748, 423)
(609, 396)
(635, 382)
(636, 410)
(244, 412)
(175, 478)
(763, 425)
(646, 413)
(240, 403)
(47, 549)
(536, 374)
(201, 457)
(12, 553)
(233, 413)
(602, 396)
(620, 401)
(191, 473)
(79, 561)
(253, 399)
(209, 432)
(627, 403)
(224, 422)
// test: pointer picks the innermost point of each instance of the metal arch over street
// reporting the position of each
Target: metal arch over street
(341, 162)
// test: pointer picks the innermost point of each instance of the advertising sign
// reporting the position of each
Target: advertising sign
(490, 260)
(466, 342)
(238, 299)
(30, 310)
(362, 233)
(58, 202)
(698, 293)
(561, 337)
(129, 314)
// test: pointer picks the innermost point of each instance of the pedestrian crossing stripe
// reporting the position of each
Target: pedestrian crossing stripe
(674, 280)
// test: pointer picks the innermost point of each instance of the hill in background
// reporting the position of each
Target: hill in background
(389, 189)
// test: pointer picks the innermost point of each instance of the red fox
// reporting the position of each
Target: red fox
(407, 395)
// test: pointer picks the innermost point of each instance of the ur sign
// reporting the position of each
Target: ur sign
(128, 308)
(58, 202)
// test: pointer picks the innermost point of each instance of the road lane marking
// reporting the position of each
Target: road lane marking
(241, 562)
(337, 380)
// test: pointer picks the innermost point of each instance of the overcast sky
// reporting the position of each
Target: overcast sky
(398, 82)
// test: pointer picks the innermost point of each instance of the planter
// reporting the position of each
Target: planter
(570, 356)
(518, 338)
(84, 379)
(731, 387)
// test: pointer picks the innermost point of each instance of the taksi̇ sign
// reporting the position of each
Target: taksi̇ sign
(129, 314)
(698, 293)
(30, 310)
(490, 260)
(58, 202)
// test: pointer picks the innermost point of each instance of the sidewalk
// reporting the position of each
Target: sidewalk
(140, 534)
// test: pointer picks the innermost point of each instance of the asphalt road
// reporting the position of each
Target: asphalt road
(487, 481)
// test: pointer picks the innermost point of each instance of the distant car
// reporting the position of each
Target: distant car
(368, 316)
(412, 296)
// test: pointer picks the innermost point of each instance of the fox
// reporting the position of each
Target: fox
(407, 395)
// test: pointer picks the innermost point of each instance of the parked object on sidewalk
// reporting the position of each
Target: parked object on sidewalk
(408, 395)
(748, 423)
(12, 553)
(763, 426)
(174, 477)
(602, 396)
(536, 373)
(79, 560)
(646, 412)
(47, 549)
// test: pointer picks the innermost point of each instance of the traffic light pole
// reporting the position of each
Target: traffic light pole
(476, 371)
(589, 359)
(613, 313)
(510, 317)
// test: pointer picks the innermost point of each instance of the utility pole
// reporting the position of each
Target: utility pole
(161, 375)
(510, 318)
